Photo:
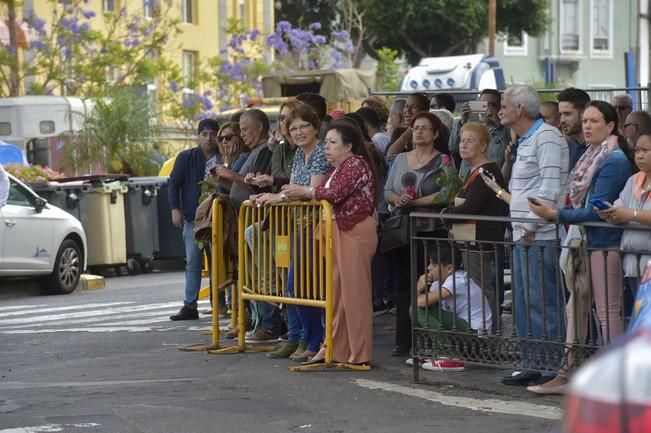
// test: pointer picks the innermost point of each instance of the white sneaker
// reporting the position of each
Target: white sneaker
(421, 360)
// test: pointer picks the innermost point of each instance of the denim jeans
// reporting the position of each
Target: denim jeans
(538, 296)
(309, 318)
(269, 316)
(194, 260)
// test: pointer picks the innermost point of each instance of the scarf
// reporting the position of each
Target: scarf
(585, 169)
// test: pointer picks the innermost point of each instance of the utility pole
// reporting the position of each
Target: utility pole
(492, 26)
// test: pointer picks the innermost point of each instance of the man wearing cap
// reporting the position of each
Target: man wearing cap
(184, 192)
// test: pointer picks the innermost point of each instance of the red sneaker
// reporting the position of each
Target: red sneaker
(443, 365)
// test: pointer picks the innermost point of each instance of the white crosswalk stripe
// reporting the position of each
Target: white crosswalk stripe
(99, 317)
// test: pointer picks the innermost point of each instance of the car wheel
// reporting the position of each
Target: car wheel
(67, 268)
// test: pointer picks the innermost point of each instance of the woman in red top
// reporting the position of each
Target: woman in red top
(350, 187)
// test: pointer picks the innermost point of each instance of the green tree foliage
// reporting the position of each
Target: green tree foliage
(120, 133)
(68, 53)
(421, 28)
(388, 73)
(300, 13)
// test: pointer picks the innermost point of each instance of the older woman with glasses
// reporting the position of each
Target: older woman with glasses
(412, 185)
(305, 332)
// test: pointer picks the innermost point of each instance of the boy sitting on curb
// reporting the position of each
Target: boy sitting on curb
(462, 303)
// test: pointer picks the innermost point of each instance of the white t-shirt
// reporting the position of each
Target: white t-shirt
(457, 284)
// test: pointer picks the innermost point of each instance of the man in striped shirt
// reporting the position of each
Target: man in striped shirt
(539, 174)
(4, 186)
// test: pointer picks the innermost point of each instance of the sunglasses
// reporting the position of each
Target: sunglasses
(227, 137)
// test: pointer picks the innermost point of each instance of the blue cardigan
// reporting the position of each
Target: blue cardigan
(607, 183)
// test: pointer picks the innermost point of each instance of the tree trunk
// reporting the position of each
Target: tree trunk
(413, 45)
(13, 49)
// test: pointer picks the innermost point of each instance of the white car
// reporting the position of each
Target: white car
(39, 239)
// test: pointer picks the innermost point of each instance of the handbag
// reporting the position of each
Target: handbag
(395, 233)
(463, 231)
(574, 263)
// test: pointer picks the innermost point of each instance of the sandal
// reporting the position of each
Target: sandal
(304, 357)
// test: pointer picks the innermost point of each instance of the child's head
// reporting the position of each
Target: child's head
(643, 151)
(443, 261)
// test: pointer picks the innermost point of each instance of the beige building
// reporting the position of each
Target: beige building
(203, 23)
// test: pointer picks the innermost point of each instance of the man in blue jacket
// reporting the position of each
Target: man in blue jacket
(184, 192)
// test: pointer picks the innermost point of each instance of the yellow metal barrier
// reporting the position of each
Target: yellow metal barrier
(297, 234)
(221, 267)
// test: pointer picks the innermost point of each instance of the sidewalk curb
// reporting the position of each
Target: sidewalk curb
(91, 282)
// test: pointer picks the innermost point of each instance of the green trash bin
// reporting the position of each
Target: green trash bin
(104, 222)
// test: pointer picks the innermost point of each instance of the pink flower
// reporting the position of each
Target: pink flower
(447, 161)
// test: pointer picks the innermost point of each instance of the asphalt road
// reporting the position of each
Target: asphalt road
(108, 361)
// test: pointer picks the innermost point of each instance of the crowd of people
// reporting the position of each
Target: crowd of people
(546, 166)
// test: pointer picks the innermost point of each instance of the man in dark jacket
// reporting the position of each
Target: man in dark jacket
(184, 192)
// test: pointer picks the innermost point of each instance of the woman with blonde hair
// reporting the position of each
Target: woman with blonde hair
(233, 153)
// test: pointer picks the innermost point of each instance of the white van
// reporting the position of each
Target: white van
(32, 123)
(468, 72)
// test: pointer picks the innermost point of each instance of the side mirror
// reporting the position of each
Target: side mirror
(39, 204)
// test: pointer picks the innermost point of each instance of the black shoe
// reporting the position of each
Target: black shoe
(520, 378)
(186, 313)
(400, 351)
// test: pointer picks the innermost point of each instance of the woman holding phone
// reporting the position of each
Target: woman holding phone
(600, 174)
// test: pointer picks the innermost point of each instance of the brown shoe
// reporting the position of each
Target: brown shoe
(261, 335)
(232, 334)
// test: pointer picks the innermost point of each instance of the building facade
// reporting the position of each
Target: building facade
(587, 45)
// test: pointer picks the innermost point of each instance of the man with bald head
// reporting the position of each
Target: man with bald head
(635, 122)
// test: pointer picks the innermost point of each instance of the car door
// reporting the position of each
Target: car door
(25, 234)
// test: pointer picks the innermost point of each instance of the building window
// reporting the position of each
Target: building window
(243, 16)
(601, 19)
(147, 9)
(570, 25)
(108, 5)
(189, 68)
(188, 11)
(515, 45)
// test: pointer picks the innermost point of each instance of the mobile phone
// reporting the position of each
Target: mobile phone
(486, 173)
(533, 200)
(599, 204)
(478, 106)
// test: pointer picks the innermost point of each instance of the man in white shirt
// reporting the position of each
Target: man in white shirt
(539, 174)
(4, 186)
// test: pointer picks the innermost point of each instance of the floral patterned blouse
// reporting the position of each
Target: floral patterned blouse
(350, 189)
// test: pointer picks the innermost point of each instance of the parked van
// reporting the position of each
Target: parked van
(468, 72)
(33, 124)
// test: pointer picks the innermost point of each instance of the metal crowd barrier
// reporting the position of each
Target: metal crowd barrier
(221, 277)
(501, 345)
(641, 95)
(297, 234)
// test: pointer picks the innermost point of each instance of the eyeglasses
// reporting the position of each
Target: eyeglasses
(302, 127)
(226, 137)
(422, 128)
(626, 125)
(622, 107)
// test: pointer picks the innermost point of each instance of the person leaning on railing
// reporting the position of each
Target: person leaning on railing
(634, 207)
(412, 185)
(599, 174)
(305, 330)
(350, 187)
(476, 198)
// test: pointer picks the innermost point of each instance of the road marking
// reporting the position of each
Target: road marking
(35, 385)
(48, 428)
(88, 318)
(483, 405)
(91, 313)
(53, 309)
(19, 307)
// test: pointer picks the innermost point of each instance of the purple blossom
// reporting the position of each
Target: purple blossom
(88, 14)
(319, 40)
(84, 28)
(315, 26)
(253, 34)
(174, 86)
(207, 93)
(283, 27)
(340, 35)
(37, 45)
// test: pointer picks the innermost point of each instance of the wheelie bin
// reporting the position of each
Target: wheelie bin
(141, 211)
